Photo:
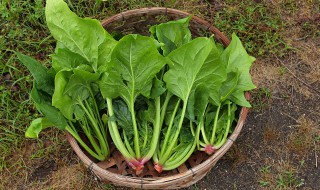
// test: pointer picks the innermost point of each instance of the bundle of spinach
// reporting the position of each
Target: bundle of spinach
(159, 97)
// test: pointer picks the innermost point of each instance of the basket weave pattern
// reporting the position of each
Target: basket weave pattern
(115, 170)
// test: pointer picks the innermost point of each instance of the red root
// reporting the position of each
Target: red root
(158, 167)
(209, 149)
(138, 166)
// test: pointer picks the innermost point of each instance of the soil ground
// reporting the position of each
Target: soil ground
(279, 146)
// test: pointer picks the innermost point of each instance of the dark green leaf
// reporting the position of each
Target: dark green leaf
(43, 104)
(44, 80)
(123, 116)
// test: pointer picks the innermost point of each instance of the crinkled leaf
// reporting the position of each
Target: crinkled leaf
(172, 34)
(145, 137)
(44, 80)
(36, 127)
(123, 116)
(135, 61)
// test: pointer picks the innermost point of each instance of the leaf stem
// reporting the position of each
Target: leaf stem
(164, 107)
(114, 132)
(166, 138)
(175, 138)
(156, 133)
(135, 131)
(218, 145)
(213, 134)
(84, 145)
(102, 141)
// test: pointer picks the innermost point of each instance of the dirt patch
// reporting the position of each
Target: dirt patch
(42, 171)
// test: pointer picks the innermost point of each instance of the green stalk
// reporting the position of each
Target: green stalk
(156, 133)
(164, 107)
(102, 128)
(102, 141)
(215, 125)
(76, 136)
(155, 157)
(175, 138)
(184, 156)
(145, 138)
(169, 163)
(191, 128)
(114, 132)
(177, 163)
(135, 131)
(84, 126)
(127, 143)
(204, 136)
(166, 138)
(224, 139)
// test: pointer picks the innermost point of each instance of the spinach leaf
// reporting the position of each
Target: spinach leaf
(43, 79)
(64, 59)
(172, 34)
(134, 63)
(36, 127)
(80, 35)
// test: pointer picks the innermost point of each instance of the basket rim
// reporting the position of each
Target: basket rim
(149, 183)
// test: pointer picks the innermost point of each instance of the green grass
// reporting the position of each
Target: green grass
(258, 25)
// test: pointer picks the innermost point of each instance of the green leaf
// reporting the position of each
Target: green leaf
(36, 127)
(229, 86)
(44, 81)
(61, 101)
(105, 51)
(191, 69)
(172, 34)
(157, 88)
(64, 59)
(79, 84)
(80, 35)
(135, 61)
(237, 59)
(43, 104)
(239, 98)
(123, 116)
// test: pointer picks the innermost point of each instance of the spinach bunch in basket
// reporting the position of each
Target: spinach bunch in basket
(159, 97)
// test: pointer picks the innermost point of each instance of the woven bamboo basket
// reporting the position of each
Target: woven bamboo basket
(115, 169)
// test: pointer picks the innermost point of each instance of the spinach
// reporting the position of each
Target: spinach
(161, 97)
(135, 61)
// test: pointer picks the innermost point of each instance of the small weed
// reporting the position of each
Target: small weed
(288, 179)
(265, 169)
(261, 98)
(283, 70)
(302, 162)
(264, 183)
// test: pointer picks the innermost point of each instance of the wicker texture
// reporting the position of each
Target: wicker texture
(115, 170)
